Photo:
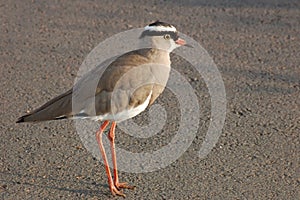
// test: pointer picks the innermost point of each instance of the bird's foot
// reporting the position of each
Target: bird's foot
(115, 191)
(124, 185)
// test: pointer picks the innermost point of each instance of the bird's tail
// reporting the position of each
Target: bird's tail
(57, 108)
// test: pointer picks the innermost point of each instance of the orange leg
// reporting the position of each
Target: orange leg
(111, 137)
(112, 187)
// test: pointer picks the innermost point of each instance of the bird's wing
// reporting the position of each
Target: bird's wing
(125, 84)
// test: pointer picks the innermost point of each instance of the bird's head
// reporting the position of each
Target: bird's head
(163, 36)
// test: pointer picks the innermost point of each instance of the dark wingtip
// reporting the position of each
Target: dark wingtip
(20, 120)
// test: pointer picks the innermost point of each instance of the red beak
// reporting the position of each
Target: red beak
(180, 42)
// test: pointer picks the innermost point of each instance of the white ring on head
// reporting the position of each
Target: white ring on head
(160, 28)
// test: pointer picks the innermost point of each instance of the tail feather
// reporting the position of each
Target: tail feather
(57, 108)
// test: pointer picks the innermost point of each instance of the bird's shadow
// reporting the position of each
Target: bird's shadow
(10, 178)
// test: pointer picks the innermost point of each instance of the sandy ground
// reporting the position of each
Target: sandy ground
(256, 48)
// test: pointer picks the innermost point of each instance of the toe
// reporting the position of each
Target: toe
(115, 192)
(124, 185)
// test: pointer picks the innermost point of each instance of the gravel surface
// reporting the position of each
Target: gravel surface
(255, 45)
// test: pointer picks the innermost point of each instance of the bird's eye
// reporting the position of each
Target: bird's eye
(167, 36)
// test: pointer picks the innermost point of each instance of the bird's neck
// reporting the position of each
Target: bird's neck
(159, 56)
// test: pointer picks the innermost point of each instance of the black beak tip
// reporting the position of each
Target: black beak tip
(188, 45)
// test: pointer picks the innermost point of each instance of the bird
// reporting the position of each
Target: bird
(128, 85)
